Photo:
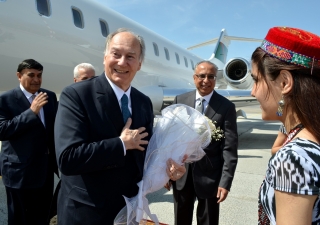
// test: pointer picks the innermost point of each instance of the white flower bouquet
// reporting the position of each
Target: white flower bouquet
(181, 130)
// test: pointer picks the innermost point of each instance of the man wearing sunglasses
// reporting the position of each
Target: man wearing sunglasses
(208, 180)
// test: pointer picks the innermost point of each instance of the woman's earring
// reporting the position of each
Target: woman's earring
(280, 107)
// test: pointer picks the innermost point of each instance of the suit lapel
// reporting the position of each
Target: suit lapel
(24, 103)
(47, 110)
(213, 105)
(135, 107)
(109, 105)
(139, 112)
(190, 100)
(21, 99)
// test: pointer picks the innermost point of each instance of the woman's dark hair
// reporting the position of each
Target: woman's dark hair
(304, 99)
(29, 64)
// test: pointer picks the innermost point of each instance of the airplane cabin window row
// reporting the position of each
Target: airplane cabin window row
(44, 8)
(167, 54)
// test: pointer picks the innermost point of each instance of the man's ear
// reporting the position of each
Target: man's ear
(19, 75)
(140, 63)
(286, 81)
(104, 59)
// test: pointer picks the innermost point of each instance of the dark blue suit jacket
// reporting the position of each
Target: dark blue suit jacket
(24, 155)
(90, 154)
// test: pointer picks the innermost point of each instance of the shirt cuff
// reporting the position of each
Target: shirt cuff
(124, 147)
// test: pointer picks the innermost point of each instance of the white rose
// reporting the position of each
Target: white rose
(211, 124)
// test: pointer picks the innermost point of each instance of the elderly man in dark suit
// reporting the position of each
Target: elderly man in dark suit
(102, 129)
(208, 180)
(27, 115)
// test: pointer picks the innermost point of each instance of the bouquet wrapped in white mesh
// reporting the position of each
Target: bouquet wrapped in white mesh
(181, 130)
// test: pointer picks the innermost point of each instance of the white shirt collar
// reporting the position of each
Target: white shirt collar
(207, 97)
(118, 91)
(26, 93)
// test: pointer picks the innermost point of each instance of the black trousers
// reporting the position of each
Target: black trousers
(207, 209)
(80, 211)
(30, 206)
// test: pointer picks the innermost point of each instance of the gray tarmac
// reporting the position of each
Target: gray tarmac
(240, 208)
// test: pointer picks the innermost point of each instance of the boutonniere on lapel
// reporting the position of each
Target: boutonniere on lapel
(216, 132)
(205, 125)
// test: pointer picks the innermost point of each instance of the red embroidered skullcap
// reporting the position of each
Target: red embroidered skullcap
(293, 45)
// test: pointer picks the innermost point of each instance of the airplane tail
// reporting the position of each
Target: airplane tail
(235, 73)
(221, 49)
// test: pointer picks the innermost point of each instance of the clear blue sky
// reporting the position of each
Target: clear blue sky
(189, 22)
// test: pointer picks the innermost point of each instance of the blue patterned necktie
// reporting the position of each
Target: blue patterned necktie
(124, 107)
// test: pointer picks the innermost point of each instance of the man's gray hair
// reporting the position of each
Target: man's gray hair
(206, 61)
(121, 30)
(86, 66)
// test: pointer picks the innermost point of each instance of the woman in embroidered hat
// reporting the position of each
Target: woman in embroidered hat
(286, 71)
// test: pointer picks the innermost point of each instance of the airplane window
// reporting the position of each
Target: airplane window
(43, 7)
(104, 28)
(185, 61)
(77, 18)
(192, 65)
(155, 48)
(177, 58)
(167, 53)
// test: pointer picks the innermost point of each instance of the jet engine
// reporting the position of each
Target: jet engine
(237, 73)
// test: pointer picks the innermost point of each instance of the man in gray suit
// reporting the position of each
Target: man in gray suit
(208, 180)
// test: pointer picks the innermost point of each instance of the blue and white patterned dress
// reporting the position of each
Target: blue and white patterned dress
(295, 168)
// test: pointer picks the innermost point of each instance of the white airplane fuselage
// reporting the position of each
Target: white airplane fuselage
(59, 46)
